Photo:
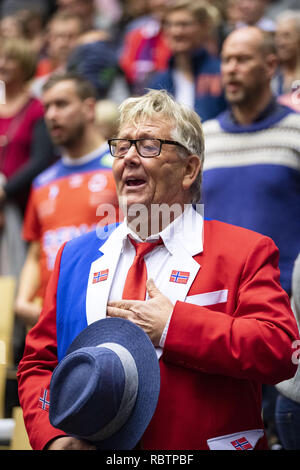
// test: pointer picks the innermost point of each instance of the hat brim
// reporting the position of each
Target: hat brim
(133, 338)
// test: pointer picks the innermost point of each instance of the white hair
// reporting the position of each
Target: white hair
(290, 15)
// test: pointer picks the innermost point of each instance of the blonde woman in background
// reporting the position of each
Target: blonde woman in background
(193, 73)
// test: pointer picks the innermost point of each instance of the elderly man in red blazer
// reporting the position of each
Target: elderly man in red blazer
(208, 294)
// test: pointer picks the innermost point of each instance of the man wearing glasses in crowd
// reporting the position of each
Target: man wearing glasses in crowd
(207, 294)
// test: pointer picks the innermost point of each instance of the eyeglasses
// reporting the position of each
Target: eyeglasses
(146, 148)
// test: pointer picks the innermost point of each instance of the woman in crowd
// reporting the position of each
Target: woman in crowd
(287, 80)
(20, 113)
(193, 75)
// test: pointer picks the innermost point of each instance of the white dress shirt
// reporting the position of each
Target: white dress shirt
(184, 89)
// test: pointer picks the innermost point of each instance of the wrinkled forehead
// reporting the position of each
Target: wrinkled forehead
(288, 24)
(146, 126)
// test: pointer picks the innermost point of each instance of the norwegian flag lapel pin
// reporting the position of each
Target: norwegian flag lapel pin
(180, 277)
(100, 276)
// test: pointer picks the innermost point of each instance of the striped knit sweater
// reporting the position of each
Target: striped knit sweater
(252, 178)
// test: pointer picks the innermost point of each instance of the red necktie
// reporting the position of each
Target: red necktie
(135, 284)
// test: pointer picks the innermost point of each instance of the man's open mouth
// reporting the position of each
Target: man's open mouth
(55, 129)
(134, 182)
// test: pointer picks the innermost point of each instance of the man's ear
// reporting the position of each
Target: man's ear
(271, 63)
(89, 108)
(192, 168)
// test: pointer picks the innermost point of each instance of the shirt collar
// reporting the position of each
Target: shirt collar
(181, 231)
(264, 114)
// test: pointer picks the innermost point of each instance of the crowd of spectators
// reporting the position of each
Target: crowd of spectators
(122, 48)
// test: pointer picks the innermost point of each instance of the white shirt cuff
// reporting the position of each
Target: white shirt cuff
(164, 333)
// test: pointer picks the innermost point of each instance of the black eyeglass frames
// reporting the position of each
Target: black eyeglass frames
(146, 148)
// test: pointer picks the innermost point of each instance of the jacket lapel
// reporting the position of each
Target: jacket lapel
(183, 244)
(178, 274)
(98, 290)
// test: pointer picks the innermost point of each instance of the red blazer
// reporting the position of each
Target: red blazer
(234, 332)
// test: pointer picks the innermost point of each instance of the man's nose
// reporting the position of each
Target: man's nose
(51, 112)
(132, 156)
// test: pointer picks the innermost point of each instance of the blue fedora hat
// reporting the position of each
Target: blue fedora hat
(105, 390)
